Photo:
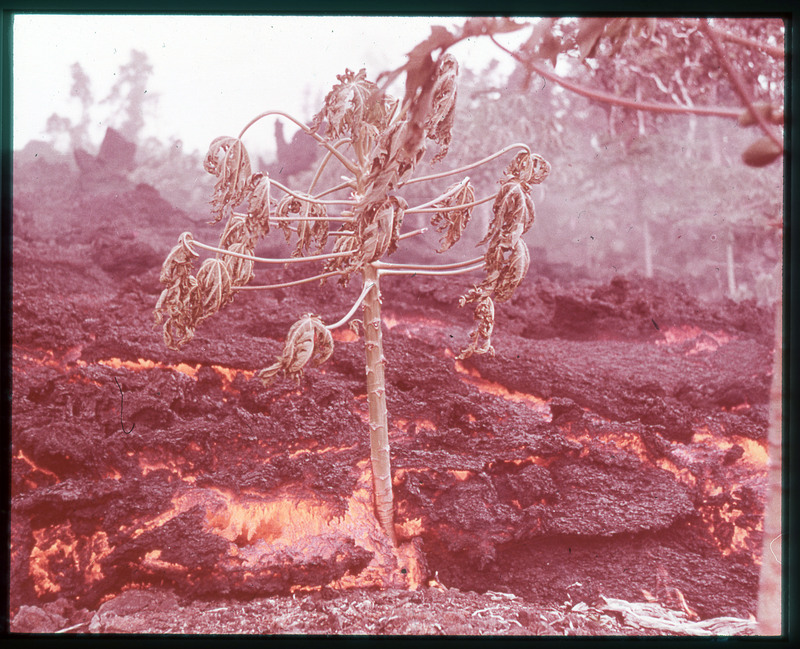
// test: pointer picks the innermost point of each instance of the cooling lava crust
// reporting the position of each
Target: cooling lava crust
(613, 447)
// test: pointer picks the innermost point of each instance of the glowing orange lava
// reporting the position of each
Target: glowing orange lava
(755, 452)
(145, 364)
(35, 467)
(540, 406)
(258, 525)
(704, 340)
(344, 335)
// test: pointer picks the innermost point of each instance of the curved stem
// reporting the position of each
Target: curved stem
(441, 197)
(607, 98)
(296, 282)
(413, 233)
(310, 199)
(266, 260)
(444, 174)
(459, 264)
(349, 165)
(348, 184)
(339, 323)
(293, 219)
(324, 162)
(451, 208)
(400, 271)
(738, 84)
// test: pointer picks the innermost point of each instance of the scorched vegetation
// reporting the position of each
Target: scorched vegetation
(352, 227)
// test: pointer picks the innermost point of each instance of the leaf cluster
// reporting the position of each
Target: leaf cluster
(507, 257)
(388, 140)
(308, 341)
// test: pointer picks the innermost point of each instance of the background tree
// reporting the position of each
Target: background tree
(633, 65)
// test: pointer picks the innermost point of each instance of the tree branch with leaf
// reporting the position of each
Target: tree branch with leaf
(379, 142)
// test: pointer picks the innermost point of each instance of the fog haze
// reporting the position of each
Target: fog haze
(211, 74)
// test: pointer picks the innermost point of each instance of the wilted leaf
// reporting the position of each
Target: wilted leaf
(453, 221)
(378, 227)
(762, 152)
(513, 214)
(344, 243)
(235, 231)
(308, 341)
(178, 264)
(512, 272)
(213, 288)
(481, 335)
(529, 168)
(420, 65)
(440, 122)
(312, 223)
(259, 205)
(241, 270)
(353, 102)
(228, 160)
(175, 304)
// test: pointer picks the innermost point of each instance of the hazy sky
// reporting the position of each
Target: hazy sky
(211, 74)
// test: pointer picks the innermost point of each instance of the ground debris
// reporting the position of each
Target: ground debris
(651, 615)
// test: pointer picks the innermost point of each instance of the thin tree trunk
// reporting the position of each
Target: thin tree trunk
(648, 249)
(769, 597)
(376, 399)
(729, 263)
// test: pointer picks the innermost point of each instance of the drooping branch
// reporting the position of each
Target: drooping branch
(472, 165)
(347, 163)
(453, 190)
(296, 282)
(738, 84)
(434, 210)
(598, 95)
(266, 260)
(411, 271)
(324, 163)
(367, 287)
(459, 264)
(309, 199)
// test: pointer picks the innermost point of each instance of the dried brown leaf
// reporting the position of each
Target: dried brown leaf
(259, 205)
(352, 103)
(394, 160)
(481, 335)
(528, 168)
(512, 272)
(439, 124)
(240, 270)
(344, 243)
(453, 221)
(312, 224)
(308, 341)
(174, 307)
(213, 288)
(378, 228)
(228, 160)
(236, 231)
(513, 215)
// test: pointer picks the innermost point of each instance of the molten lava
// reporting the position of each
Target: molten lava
(144, 364)
(539, 406)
